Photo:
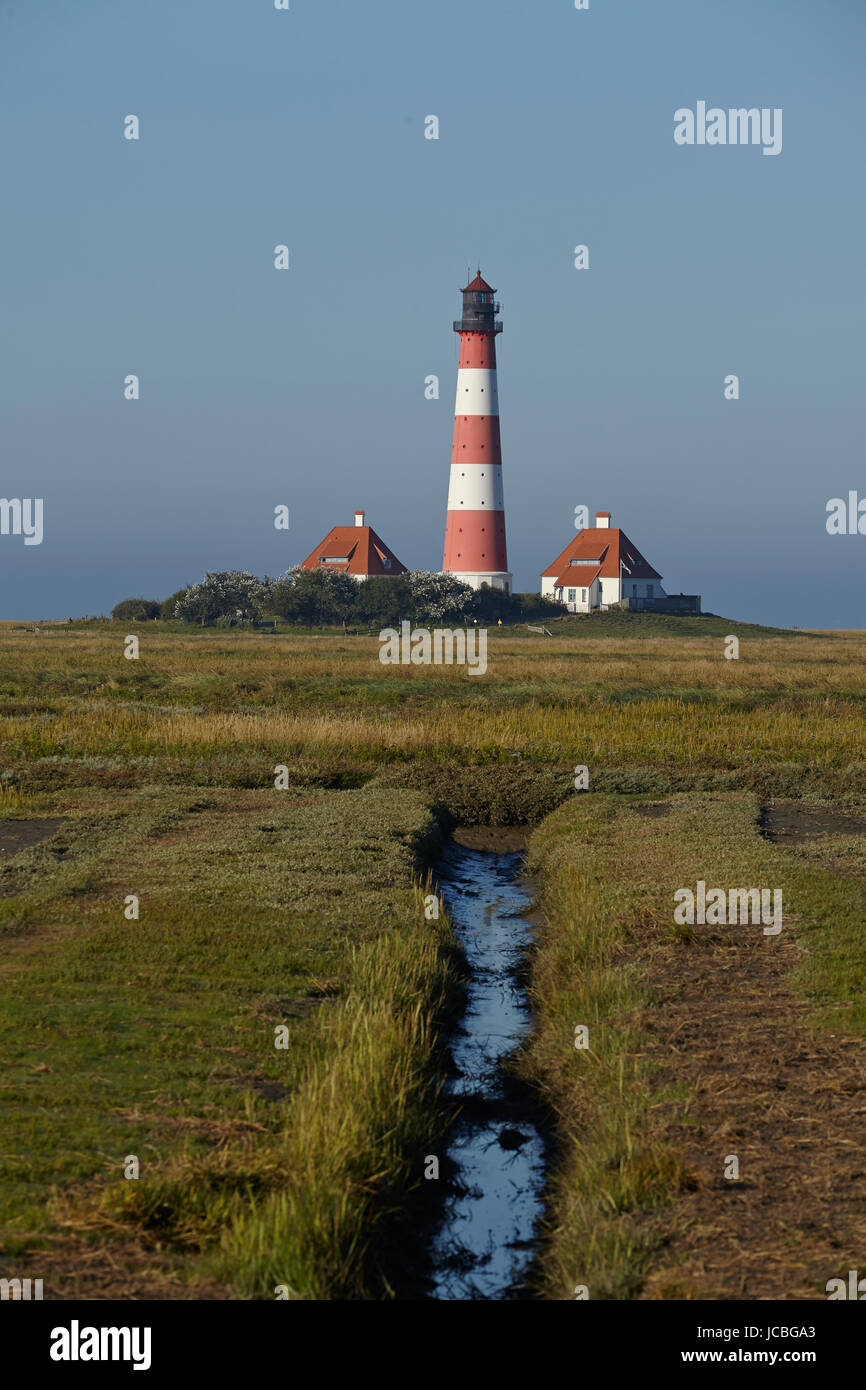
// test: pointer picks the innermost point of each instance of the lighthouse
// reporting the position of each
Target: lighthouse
(475, 528)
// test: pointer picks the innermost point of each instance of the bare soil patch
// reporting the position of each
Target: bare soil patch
(788, 1101)
(785, 822)
(17, 835)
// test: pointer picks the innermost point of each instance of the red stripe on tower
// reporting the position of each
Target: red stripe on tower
(475, 548)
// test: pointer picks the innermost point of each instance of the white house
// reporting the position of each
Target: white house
(599, 567)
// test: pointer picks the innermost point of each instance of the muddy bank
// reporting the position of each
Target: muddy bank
(496, 839)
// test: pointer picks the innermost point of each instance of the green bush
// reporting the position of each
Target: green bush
(168, 606)
(136, 610)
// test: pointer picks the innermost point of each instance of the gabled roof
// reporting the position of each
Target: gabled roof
(354, 550)
(609, 546)
(479, 284)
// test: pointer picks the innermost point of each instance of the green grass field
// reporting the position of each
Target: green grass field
(302, 908)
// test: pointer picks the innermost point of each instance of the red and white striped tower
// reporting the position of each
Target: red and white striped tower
(475, 529)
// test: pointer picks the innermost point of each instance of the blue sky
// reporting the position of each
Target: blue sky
(306, 387)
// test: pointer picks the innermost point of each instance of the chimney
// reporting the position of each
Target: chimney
(602, 520)
(359, 518)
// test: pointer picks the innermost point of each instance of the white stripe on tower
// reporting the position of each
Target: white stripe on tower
(472, 488)
(477, 392)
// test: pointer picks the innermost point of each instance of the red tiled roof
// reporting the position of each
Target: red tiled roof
(354, 550)
(577, 577)
(479, 284)
(608, 545)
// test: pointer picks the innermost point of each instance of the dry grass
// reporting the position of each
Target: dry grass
(701, 1045)
(664, 702)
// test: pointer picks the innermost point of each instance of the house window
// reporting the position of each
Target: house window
(649, 590)
(634, 590)
(583, 595)
(571, 595)
(387, 562)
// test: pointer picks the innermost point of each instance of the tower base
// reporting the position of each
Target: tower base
(499, 580)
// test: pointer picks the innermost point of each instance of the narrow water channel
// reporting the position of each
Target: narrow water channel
(484, 1244)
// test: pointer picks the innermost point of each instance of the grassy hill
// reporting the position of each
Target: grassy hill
(619, 622)
(616, 622)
